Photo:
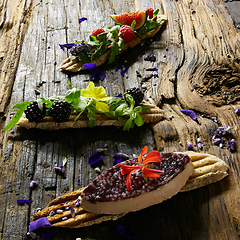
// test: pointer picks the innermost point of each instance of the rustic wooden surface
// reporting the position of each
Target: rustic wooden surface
(203, 53)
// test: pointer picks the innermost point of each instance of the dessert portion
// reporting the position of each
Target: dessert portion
(207, 169)
(68, 209)
(87, 107)
(105, 44)
(108, 194)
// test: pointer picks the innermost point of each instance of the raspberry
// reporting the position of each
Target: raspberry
(136, 93)
(97, 31)
(60, 111)
(127, 33)
(34, 113)
(150, 14)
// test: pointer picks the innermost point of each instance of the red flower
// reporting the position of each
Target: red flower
(143, 166)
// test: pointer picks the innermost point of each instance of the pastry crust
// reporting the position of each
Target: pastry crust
(207, 169)
(76, 65)
(153, 115)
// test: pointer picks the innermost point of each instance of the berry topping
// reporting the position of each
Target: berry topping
(150, 13)
(127, 33)
(34, 113)
(111, 184)
(60, 111)
(136, 93)
(97, 31)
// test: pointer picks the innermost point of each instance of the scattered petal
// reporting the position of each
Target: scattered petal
(237, 111)
(60, 169)
(190, 113)
(119, 157)
(94, 158)
(22, 201)
(80, 20)
(96, 72)
(72, 211)
(32, 184)
(38, 224)
(232, 145)
(123, 72)
(118, 67)
(67, 46)
(150, 58)
(189, 146)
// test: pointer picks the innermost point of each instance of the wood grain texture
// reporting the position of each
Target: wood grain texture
(199, 46)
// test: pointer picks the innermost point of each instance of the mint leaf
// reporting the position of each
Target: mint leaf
(22, 107)
(114, 52)
(72, 94)
(155, 13)
(138, 120)
(91, 116)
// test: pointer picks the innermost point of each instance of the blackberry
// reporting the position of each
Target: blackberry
(136, 93)
(34, 113)
(60, 111)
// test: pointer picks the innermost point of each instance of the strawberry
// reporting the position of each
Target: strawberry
(127, 33)
(150, 14)
(97, 31)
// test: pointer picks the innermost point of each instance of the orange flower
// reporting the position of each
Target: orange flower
(143, 166)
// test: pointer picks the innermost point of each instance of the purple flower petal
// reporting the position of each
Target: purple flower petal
(231, 145)
(94, 158)
(68, 46)
(90, 66)
(118, 67)
(72, 211)
(124, 71)
(125, 233)
(22, 201)
(38, 224)
(189, 146)
(32, 184)
(48, 235)
(82, 19)
(119, 95)
(96, 72)
(60, 169)
(101, 75)
(190, 113)
(119, 157)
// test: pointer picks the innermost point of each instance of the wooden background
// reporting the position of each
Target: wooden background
(203, 53)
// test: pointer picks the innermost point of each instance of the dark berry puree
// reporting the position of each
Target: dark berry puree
(111, 185)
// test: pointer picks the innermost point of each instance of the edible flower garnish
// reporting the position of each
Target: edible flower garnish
(94, 158)
(82, 19)
(190, 113)
(232, 145)
(22, 201)
(119, 157)
(38, 224)
(144, 166)
(96, 72)
(98, 94)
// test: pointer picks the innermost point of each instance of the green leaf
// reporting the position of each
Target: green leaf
(127, 125)
(130, 100)
(72, 94)
(92, 38)
(120, 43)
(100, 50)
(155, 13)
(114, 52)
(92, 117)
(73, 57)
(133, 24)
(138, 120)
(22, 107)
(145, 108)
(120, 110)
(83, 56)
(64, 161)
